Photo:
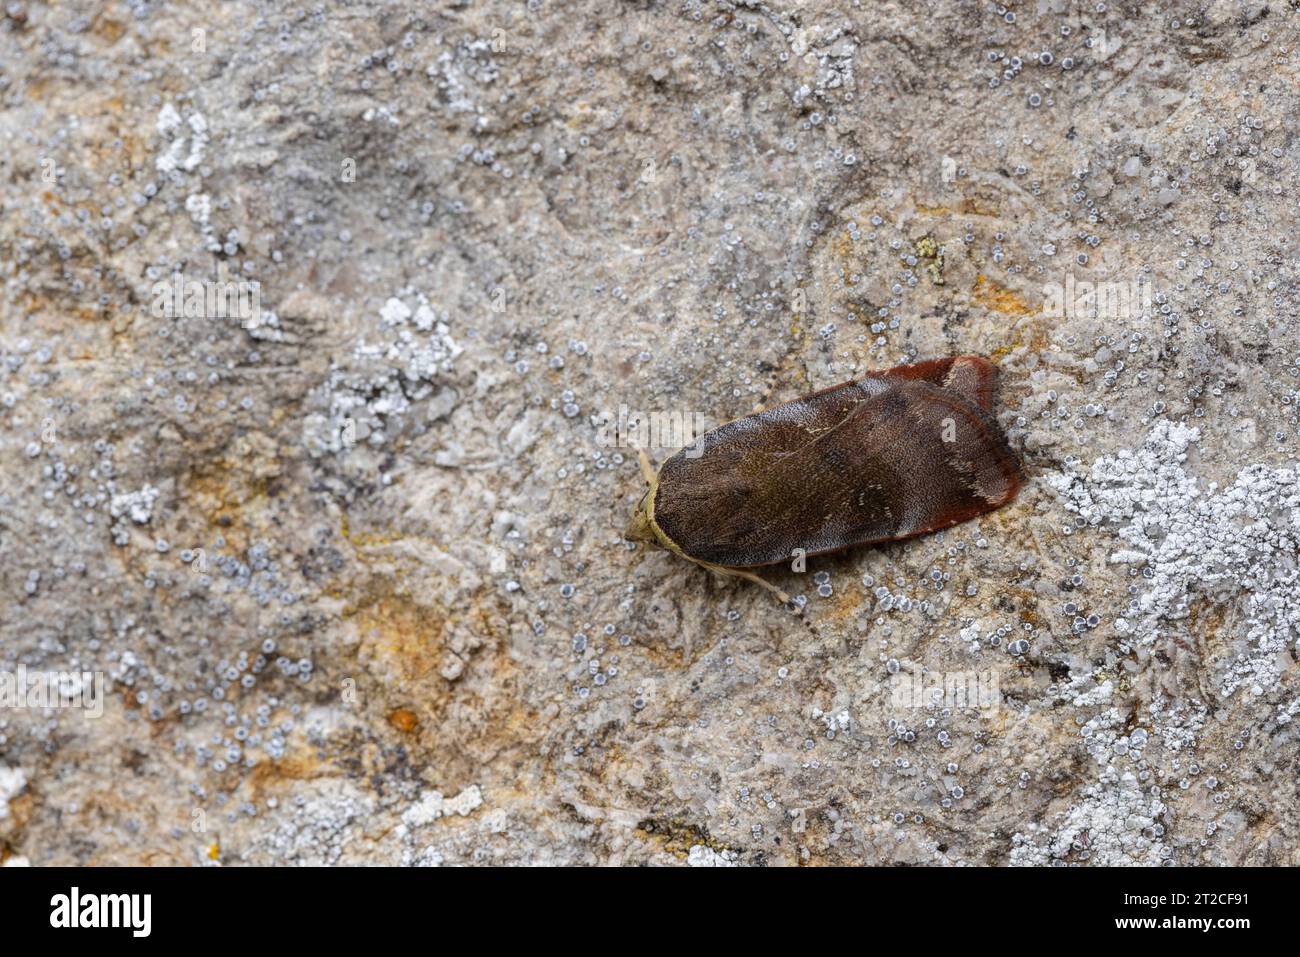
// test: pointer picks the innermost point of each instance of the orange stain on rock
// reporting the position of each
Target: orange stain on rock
(404, 720)
(991, 295)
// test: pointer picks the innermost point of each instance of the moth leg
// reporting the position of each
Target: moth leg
(647, 470)
(756, 579)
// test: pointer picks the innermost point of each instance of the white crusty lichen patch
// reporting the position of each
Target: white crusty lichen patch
(138, 504)
(1236, 545)
(172, 131)
(702, 856)
(12, 782)
(402, 365)
(433, 806)
(1116, 824)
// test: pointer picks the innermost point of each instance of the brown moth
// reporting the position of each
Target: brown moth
(898, 453)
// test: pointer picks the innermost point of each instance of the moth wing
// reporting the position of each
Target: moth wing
(974, 377)
(866, 462)
(709, 493)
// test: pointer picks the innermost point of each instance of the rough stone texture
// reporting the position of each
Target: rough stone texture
(479, 231)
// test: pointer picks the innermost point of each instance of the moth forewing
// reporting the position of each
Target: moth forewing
(897, 453)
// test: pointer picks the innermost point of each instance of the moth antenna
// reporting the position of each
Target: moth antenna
(757, 580)
(647, 470)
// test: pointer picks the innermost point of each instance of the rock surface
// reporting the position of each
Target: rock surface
(345, 552)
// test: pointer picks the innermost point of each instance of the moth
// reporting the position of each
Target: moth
(897, 453)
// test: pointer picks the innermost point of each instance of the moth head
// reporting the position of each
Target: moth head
(642, 526)
(640, 529)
